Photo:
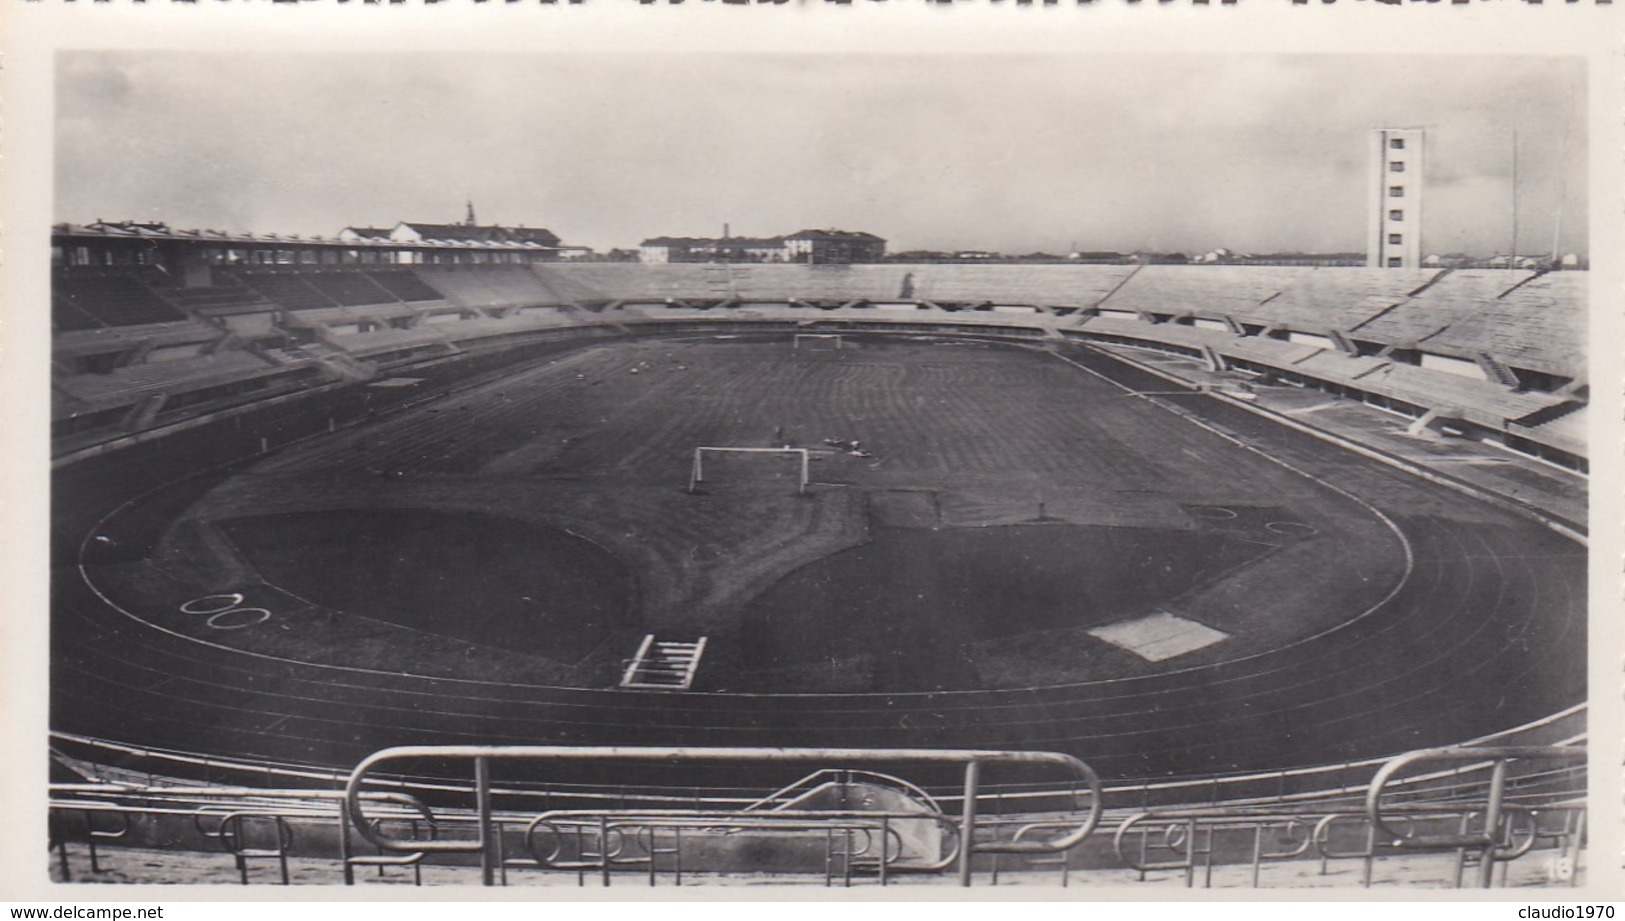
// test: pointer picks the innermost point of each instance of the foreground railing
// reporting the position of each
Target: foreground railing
(486, 842)
(1308, 784)
(249, 823)
(1488, 832)
(853, 839)
(1486, 806)
(1483, 806)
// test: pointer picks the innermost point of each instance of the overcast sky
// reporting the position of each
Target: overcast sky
(1002, 152)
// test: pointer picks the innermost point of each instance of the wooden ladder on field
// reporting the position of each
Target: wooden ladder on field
(663, 665)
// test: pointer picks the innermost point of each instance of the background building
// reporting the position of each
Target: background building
(1394, 221)
(818, 247)
(492, 242)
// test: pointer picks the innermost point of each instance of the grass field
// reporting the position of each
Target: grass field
(1030, 556)
(1001, 499)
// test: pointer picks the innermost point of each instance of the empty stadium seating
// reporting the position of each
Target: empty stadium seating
(288, 290)
(124, 383)
(1058, 285)
(1451, 297)
(1206, 290)
(405, 285)
(1322, 300)
(614, 281)
(1525, 330)
(350, 288)
(487, 286)
(112, 300)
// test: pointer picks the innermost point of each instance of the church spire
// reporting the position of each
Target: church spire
(470, 220)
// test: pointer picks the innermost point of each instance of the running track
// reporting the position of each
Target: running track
(1487, 633)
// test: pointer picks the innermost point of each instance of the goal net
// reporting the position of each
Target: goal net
(818, 342)
(723, 464)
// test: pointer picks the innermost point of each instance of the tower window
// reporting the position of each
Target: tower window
(1395, 239)
(1396, 144)
(1396, 215)
(1394, 262)
(1396, 191)
(1397, 166)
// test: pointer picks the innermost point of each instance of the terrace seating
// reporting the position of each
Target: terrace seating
(352, 316)
(129, 384)
(405, 285)
(1474, 286)
(487, 286)
(615, 281)
(516, 322)
(1326, 299)
(68, 316)
(1540, 325)
(377, 342)
(1206, 290)
(1279, 353)
(563, 288)
(1566, 432)
(112, 300)
(1452, 296)
(290, 291)
(354, 289)
(817, 282)
(217, 298)
(1480, 402)
(1058, 285)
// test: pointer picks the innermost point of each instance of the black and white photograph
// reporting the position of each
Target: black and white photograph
(808, 469)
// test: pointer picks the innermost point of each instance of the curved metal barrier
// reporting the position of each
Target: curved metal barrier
(1487, 832)
(601, 836)
(230, 816)
(56, 830)
(486, 842)
(783, 796)
(1191, 834)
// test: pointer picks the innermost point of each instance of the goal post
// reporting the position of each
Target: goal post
(696, 474)
(818, 342)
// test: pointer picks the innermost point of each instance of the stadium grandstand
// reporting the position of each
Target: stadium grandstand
(1326, 686)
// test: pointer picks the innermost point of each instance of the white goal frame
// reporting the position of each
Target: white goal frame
(797, 337)
(696, 474)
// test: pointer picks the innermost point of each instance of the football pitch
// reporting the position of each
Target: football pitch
(999, 546)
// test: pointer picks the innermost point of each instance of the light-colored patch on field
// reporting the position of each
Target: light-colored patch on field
(1159, 636)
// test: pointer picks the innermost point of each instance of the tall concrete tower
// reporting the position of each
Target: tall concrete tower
(1394, 224)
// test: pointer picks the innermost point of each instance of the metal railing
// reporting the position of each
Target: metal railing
(1487, 833)
(486, 842)
(1308, 784)
(1191, 837)
(852, 837)
(1487, 806)
(789, 793)
(236, 819)
(1527, 826)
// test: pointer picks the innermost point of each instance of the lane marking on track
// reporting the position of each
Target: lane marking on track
(396, 674)
(1404, 542)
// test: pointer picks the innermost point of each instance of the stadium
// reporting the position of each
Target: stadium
(846, 573)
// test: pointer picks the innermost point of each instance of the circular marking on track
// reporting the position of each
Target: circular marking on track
(1290, 528)
(211, 604)
(1211, 512)
(219, 620)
